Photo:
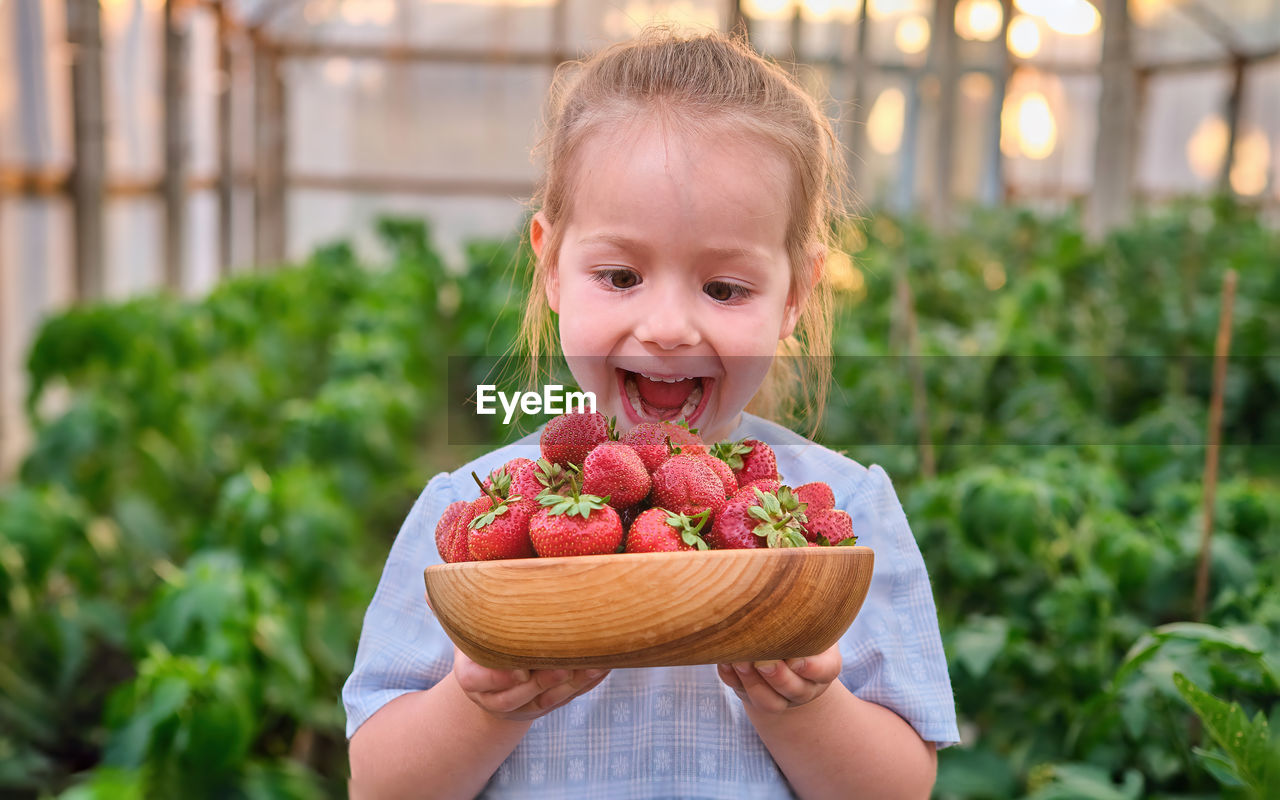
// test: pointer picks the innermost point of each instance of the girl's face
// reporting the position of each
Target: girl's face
(673, 282)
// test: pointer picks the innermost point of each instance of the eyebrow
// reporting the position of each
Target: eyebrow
(623, 242)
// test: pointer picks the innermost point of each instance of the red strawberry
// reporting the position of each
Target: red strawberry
(817, 495)
(830, 527)
(613, 470)
(576, 525)
(654, 442)
(568, 438)
(722, 472)
(538, 476)
(750, 459)
(502, 478)
(658, 530)
(452, 529)
(501, 529)
(686, 485)
(768, 519)
(764, 485)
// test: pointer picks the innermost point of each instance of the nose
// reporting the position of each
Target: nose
(668, 319)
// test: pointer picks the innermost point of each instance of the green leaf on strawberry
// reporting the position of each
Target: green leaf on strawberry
(493, 513)
(731, 453)
(582, 505)
(690, 531)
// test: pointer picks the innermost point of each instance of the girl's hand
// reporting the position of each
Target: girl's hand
(521, 694)
(778, 685)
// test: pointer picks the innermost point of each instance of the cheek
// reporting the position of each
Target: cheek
(583, 332)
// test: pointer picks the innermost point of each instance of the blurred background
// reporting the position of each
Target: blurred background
(241, 239)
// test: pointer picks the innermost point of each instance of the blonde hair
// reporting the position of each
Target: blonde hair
(701, 82)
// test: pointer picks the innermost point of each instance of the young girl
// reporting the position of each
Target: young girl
(680, 243)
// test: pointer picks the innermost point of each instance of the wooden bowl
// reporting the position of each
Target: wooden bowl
(651, 609)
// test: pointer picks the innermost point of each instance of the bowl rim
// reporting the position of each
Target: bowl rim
(606, 559)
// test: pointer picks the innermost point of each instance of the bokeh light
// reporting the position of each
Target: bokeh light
(1207, 147)
(1147, 12)
(768, 9)
(880, 9)
(976, 86)
(1028, 127)
(884, 123)
(1251, 164)
(979, 20)
(912, 35)
(845, 11)
(1024, 36)
(1068, 17)
(1037, 129)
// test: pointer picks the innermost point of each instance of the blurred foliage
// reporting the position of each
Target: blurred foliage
(1067, 385)
(200, 523)
(214, 485)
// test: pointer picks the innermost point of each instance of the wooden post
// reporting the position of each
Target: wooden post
(919, 395)
(7, 320)
(1111, 199)
(1235, 104)
(737, 21)
(1221, 349)
(226, 175)
(796, 25)
(904, 197)
(861, 110)
(944, 69)
(175, 149)
(992, 190)
(84, 34)
(269, 155)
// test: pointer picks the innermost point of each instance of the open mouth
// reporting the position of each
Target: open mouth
(657, 399)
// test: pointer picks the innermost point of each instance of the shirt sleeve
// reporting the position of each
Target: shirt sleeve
(402, 649)
(893, 652)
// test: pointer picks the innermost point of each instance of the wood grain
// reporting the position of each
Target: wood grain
(651, 609)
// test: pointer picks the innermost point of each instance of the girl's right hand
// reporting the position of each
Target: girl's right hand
(521, 694)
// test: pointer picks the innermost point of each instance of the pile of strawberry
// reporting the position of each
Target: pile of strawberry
(658, 487)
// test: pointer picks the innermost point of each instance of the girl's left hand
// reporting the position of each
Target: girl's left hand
(779, 685)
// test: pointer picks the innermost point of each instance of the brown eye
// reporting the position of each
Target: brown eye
(622, 279)
(723, 292)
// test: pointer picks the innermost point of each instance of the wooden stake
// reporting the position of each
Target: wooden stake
(226, 175)
(84, 35)
(920, 400)
(942, 58)
(1221, 349)
(269, 157)
(175, 149)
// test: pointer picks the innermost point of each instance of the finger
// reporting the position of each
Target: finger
(550, 678)
(729, 676)
(819, 669)
(783, 680)
(759, 693)
(581, 682)
(515, 700)
(474, 678)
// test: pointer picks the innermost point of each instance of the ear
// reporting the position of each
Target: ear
(798, 296)
(539, 235)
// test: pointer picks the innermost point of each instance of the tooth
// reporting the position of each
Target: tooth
(691, 404)
(633, 394)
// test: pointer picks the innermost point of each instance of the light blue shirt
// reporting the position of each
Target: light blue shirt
(670, 732)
